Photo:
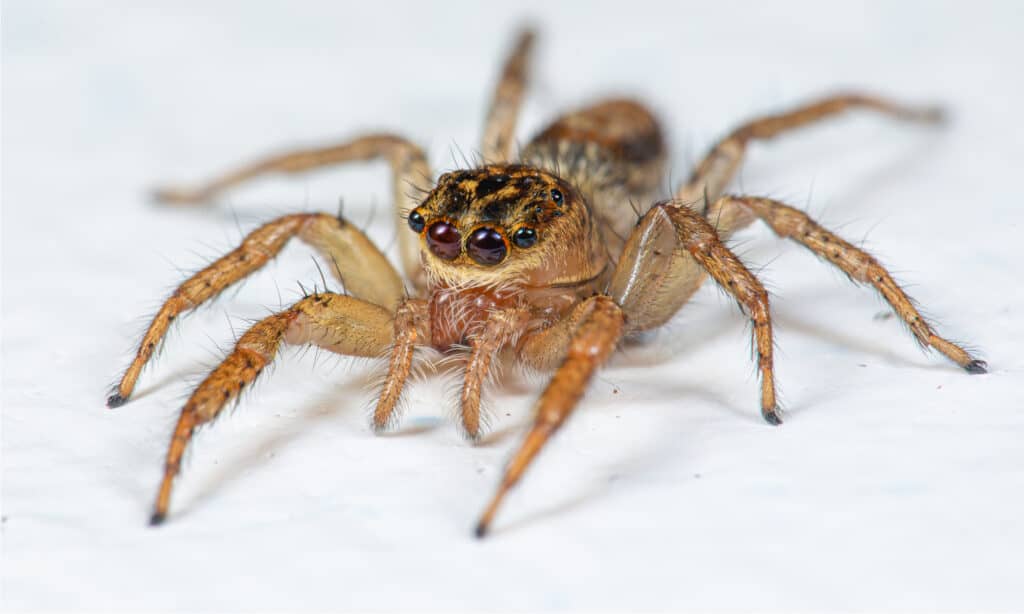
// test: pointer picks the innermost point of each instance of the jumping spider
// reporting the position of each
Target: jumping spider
(541, 259)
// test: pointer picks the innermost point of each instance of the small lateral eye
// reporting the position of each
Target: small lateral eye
(416, 221)
(557, 197)
(525, 237)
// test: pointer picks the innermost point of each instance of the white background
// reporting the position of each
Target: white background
(895, 483)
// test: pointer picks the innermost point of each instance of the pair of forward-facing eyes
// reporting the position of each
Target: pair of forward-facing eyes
(485, 245)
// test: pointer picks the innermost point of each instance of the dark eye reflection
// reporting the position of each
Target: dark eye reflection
(525, 237)
(444, 240)
(486, 246)
(416, 221)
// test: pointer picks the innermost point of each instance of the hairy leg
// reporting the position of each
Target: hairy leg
(337, 323)
(712, 175)
(593, 340)
(500, 126)
(665, 261)
(791, 223)
(411, 328)
(411, 179)
(501, 329)
(363, 270)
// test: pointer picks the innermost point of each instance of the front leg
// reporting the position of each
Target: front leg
(360, 266)
(699, 238)
(591, 331)
(330, 321)
(859, 265)
(666, 259)
(411, 328)
(501, 329)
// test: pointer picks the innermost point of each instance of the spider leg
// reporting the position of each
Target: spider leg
(501, 329)
(337, 323)
(500, 126)
(712, 175)
(361, 267)
(664, 262)
(411, 179)
(791, 223)
(599, 324)
(411, 327)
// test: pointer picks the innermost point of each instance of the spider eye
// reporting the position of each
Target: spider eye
(525, 237)
(444, 240)
(486, 246)
(557, 197)
(416, 221)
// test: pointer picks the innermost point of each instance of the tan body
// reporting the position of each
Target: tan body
(544, 258)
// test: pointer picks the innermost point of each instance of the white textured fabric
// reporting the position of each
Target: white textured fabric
(895, 483)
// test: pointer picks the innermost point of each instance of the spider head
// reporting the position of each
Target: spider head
(499, 223)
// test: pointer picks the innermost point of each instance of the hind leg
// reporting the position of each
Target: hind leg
(712, 175)
(500, 126)
(411, 179)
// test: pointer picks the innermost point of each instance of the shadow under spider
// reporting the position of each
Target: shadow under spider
(335, 401)
(172, 378)
(619, 466)
(566, 505)
(789, 322)
(678, 337)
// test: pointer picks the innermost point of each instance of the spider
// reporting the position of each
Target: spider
(539, 259)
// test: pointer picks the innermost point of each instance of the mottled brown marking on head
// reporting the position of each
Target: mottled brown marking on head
(497, 201)
(497, 195)
(489, 185)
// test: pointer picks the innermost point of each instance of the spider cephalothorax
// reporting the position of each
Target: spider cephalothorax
(502, 224)
(551, 260)
(501, 238)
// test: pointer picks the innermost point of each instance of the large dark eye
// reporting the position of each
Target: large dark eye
(444, 240)
(416, 221)
(486, 246)
(557, 197)
(525, 237)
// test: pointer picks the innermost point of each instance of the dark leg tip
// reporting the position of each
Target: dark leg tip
(116, 400)
(481, 531)
(976, 367)
(156, 519)
(772, 417)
